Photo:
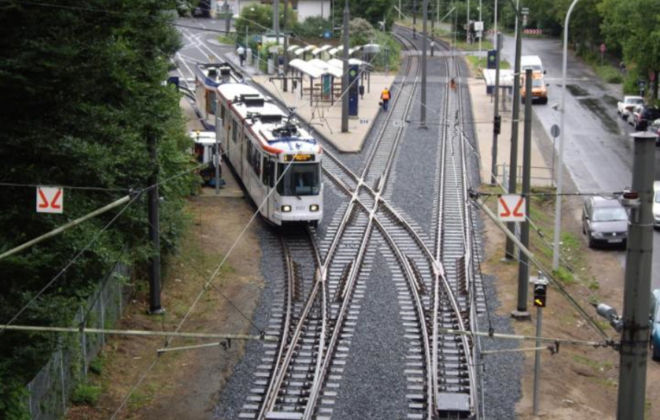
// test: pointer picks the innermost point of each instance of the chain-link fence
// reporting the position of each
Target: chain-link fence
(50, 389)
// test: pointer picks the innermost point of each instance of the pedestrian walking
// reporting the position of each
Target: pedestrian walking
(241, 54)
(385, 98)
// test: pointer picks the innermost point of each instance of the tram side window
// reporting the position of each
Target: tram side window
(234, 130)
(210, 102)
(222, 112)
(268, 176)
(254, 158)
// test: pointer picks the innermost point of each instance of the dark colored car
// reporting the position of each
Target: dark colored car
(643, 115)
(655, 129)
(604, 221)
(655, 324)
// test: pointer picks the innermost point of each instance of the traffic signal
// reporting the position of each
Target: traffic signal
(539, 295)
(497, 126)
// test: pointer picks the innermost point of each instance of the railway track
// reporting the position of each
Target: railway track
(434, 277)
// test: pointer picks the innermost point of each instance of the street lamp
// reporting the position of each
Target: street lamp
(562, 135)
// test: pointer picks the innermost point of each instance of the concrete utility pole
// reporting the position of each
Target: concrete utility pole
(285, 80)
(636, 295)
(225, 9)
(497, 120)
(523, 261)
(344, 76)
(425, 7)
(276, 21)
(467, 25)
(154, 230)
(513, 159)
(414, 19)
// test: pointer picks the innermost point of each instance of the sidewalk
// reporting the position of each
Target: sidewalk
(483, 109)
(324, 117)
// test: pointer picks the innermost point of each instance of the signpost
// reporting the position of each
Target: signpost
(554, 130)
(50, 200)
(540, 288)
(511, 208)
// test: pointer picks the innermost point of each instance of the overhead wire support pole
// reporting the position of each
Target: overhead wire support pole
(513, 157)
(285, 81)
(562, 136)
(497, 120)
(523, 264)
(76, 222)
(414, 13)
(637, 285)
(425, 6)
(344, 76)
(154, 228)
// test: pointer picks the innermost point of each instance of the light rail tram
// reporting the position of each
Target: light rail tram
(275, 158)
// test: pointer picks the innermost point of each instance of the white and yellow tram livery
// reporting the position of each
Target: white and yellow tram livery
(277, 160)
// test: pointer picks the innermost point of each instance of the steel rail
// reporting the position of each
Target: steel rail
(289, 340)
(322, 368)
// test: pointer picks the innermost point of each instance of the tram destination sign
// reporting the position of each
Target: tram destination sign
(299, 157)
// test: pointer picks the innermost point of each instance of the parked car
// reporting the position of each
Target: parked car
(655, 129)
(604, 221)
(624, 107)
(656, 204)
(642, 115)
(655, 324)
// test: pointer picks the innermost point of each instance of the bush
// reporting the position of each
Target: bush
(312, 27)
(86, 394)
(361, 31)
(609, 74)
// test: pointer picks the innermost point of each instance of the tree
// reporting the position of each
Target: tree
(259, 19)
(85, 87)
(635, 26)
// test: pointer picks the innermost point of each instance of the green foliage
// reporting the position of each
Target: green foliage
(258, 19)
(361, 31)
(86, 394)
(609, 74)
(13, 397)
(563, 275)
(85, 92)
(312, 27)
(389, 52)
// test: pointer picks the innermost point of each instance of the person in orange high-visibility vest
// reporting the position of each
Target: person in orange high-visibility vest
(385, 98)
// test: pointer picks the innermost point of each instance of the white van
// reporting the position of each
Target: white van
(531, 62)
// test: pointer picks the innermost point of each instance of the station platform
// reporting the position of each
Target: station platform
(325, 117)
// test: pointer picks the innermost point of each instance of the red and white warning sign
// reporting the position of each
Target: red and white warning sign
(50, 199)
(511, 208)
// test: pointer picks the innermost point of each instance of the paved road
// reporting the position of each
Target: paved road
(598, 148)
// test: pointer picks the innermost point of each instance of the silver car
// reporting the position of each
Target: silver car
(604, 221)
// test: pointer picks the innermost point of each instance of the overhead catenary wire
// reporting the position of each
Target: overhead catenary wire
(205, 287)
(66, 187)
(70, 263)
(538, 265)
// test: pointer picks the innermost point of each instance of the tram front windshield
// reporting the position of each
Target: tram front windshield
(299, 179)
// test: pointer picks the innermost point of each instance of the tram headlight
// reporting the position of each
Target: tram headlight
(314, 207)
(286, 208)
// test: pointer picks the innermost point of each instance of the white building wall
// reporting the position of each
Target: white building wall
(309, 8)
(306, 8)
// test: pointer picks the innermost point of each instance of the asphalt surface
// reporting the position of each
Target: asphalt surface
(598, 150)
